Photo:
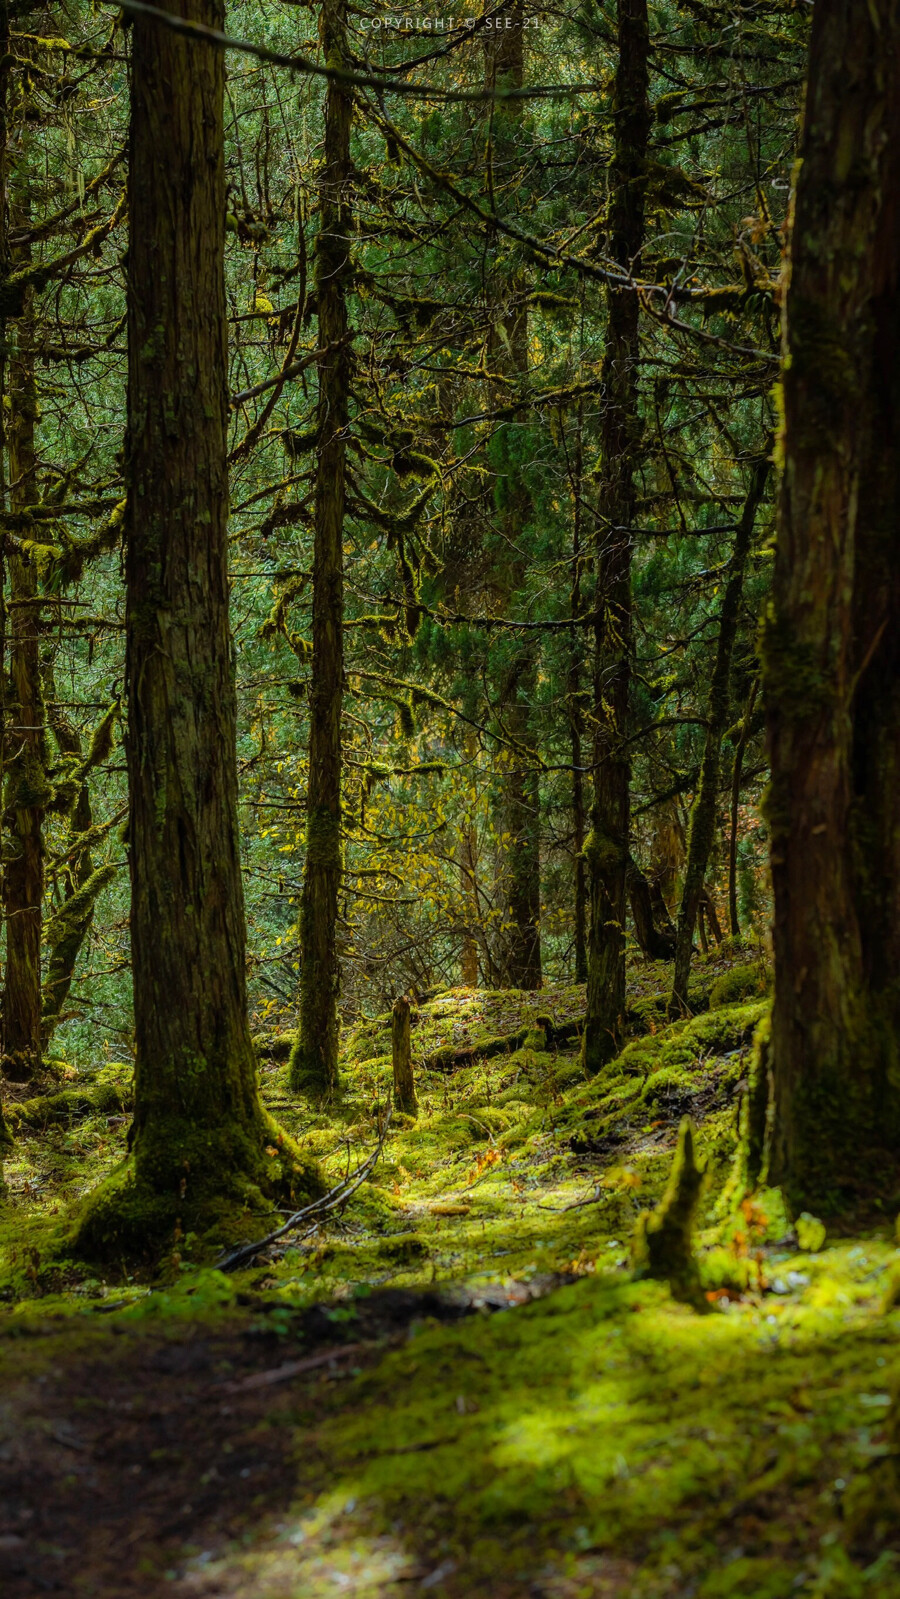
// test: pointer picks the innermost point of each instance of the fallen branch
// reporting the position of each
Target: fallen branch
(291, 1368)
(450, 1056)
(234, 1258)
(273, 1046)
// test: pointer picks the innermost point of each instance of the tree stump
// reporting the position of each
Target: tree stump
(404, 1086)
(663, 1241)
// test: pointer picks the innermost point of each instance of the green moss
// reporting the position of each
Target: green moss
(740, 983)
(604, 1436)
(219, 1183)
(757, 1120)
(109, 1094)
(684, 1044)
(663, 1241)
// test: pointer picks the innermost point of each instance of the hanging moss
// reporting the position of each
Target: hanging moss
(276, 621)
(406, 722)
(101, 743)
(28, 785)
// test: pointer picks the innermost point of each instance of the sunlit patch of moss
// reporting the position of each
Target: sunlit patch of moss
(603, 1439)
(739, 984)
(602, 1421)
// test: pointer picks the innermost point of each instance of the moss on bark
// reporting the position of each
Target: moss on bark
(210, 1181)
(663, 1240)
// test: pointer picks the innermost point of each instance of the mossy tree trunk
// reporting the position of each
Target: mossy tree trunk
(701, 833)
(467, 853)
(5, 1137)
(199, 1135)
(832, 641)
(745, 729)
(520, 821)
(658, 944)
(608, 846)
(401, 1057)
(26, 785)
(576, 713)
(314, 1062)
(518, 812)
(69, 926)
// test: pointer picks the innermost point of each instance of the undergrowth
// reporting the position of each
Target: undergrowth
(603, 1439)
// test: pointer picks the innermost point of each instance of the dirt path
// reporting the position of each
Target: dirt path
(122, 1449)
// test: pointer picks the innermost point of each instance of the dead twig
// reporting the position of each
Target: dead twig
(234, 1258)
(291, 1368)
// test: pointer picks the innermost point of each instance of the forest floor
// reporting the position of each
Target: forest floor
(457, 1387)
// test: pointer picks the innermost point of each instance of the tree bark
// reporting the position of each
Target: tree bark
(401, 1056)
(703, 815)
(657, 944)
(832, 643)
(519, 807)
(520, 821)
(5, 1136)
(70, 924)
(736, 775)
(576, 718)
(314, 1062)
(199, 1135)
(468, 885)
(26, 788)
(608, 846)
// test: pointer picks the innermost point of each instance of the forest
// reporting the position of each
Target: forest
(450, 824)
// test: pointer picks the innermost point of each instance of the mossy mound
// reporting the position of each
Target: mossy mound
(109, 1093)
(739, 984)
(215, 1186)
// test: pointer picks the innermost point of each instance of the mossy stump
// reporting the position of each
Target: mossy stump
(401, 1058)
(207, 1185)
(663, 1239)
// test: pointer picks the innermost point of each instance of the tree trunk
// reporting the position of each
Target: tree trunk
(737, 772)
(71, 922)
(576, 719)
(467, 853)
(199, 1135)
(314, 1062)
(708, 906)
(608, 846)
(5, 1137)
(832, 643)
(520, 821)
(703, 815)
(656, 944)
(27, 787)
(404, 1084)
(519, 805)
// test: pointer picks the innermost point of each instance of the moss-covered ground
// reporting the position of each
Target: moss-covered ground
(457, 1386)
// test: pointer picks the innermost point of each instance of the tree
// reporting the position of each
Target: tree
(314, 1062)
(200, 1136)
(27, 789)
(703, 814)
(608, 845)
(832, 641)
(519, 803)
